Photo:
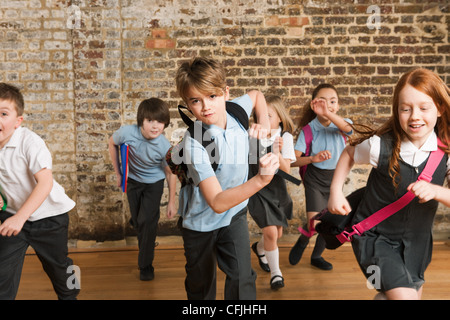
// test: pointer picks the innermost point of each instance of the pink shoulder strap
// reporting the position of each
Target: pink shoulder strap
(384, 213)
(308, 138)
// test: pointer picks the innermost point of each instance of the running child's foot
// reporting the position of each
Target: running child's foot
(297, 251)
(321, 263)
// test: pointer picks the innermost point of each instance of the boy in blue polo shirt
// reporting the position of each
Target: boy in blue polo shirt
(147, 171)
(213, 208)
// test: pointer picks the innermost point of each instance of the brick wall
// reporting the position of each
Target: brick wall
(85, 65)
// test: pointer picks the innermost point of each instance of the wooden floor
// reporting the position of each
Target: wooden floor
(112, 274)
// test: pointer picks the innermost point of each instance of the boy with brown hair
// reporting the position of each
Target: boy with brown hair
(37, 207)
(213, 208)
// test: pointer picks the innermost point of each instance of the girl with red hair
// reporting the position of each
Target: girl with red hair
(400, 247)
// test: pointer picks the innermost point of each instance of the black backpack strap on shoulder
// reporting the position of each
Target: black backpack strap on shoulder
(238, 113)
(184, 116)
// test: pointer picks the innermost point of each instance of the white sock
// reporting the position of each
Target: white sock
(274, 263)
(260, 249)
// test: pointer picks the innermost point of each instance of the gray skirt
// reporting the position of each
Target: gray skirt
(317, 188)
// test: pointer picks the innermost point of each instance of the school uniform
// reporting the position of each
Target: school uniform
(272, 205)
(145, 186)
(209, 236)
(401, 246)
(24, 155)
(318, 176)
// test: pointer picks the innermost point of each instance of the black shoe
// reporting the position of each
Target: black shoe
(275, 285)
(147, 273)
(297, 250)
(264, 266)
(321, 264)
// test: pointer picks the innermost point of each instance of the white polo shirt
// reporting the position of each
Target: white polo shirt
(21, 158)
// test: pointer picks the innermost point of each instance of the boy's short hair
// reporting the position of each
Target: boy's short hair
(204, 74)
(153, 109)
(13, 94)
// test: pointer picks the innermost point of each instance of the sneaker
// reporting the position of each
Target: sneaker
(147, 273)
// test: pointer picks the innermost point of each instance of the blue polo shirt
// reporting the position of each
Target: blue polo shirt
(324, 138)
(232, 146)
(146, 157)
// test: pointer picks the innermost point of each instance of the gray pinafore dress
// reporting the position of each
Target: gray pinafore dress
(400, 246)
(272, 205)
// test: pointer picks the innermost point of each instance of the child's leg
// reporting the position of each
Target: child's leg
(403, 294)
(48, 237)
(319, 248)
(233, 256)
(316, 256)
(297, 250)
(12, 254)
(271, 236)
(144, 200)
(199, 250)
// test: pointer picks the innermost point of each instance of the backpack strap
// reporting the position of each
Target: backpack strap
(384, 213)
(232, 108)
(308, 139)
(235, 110)
(238, 113)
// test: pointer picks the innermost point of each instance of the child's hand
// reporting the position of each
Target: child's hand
(277, 145)
(338, 204)
(119, 179)
(268, 166)
(321, 156)
(171, 211)
(423, 190)
(11, 226)
(257, 131)
(320, 107)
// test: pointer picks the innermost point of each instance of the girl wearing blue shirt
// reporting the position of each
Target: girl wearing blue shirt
(327, 144)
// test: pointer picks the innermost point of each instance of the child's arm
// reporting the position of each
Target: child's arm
(260, 107)
(13, 225)
(337, 202)
(222, 200)
(172, 183)
(114, 154)
(320, 108)
(426, 191)
(303, 161)
(285, 163)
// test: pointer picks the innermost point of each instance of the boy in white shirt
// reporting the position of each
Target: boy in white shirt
(36, 205)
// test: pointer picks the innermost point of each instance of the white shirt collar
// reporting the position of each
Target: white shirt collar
(15, 138)
(415, 156)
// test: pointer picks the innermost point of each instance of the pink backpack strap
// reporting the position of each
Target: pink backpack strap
(384, 213)
(308, 141)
